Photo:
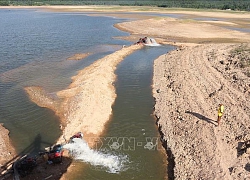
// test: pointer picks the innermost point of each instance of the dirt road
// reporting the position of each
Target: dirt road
(189, 83)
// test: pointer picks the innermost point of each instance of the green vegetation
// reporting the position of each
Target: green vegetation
(198, 4)
(242, 53)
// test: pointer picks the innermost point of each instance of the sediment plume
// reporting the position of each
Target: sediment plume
(79, 56)
(86, 104)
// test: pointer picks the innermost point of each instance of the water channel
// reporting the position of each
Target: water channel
(34, 48)
(132, 125)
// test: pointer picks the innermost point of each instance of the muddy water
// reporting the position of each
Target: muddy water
(34, 48)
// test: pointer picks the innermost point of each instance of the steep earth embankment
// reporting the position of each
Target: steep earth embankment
(188, 85)
(7, 152)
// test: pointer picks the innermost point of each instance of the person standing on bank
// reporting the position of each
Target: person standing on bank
(220, 113)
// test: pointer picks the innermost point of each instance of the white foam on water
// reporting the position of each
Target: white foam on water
(151, 42)
(80, 150)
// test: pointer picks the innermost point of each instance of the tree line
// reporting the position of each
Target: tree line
(241, 5)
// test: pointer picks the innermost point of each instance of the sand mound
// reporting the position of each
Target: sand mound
(189, 84)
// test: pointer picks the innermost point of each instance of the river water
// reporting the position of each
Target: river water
(34, 48)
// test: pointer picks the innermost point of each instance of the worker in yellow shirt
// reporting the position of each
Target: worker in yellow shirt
(220, 113)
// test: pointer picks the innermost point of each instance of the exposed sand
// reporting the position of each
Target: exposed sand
(183, 31)
(188, 86)
(184, 78)
(86, 104)
(7, 152)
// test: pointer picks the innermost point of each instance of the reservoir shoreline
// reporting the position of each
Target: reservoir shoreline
(196, 41)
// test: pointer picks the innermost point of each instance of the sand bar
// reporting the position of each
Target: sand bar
(86, 104)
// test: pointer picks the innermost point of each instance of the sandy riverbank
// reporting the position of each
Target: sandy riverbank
(183, 105)
(188, 86)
